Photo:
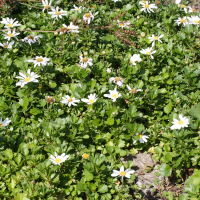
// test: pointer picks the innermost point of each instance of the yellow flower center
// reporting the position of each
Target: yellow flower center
(47, 6)
(122, 173)
(140, 135)
(146, 6)
(131, 61)
(114, 95)
(121, 24)
(70, 100)
(10, 25)
(144, 2)
(85, 156)
(50, 98)
(91, 101)
(148, 53)
(85, 59)
(58, 13)
(27, 79)
(30, 37)
(182, 6)
(195, 21)
(78, 9)
(57, 160)
(10, 35)
(117, 183)
(155, 38)
(87, 15)
(182, 20)
(117, 79)
(133, 91)
(39, 60)
(194, 10)
(5, 46)
(1, 124)
(180, 122)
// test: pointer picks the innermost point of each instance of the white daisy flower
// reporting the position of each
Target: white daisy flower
(46, 5)
(71, 28)
(113, 94)
(87, 17)
(84, 62)
(123, 24)
(5, 122)
(133, 90)
(9, 22)
(148, 52)
(148, 7)
(91, 99)
(154, 38)
(127, 173)
(58, 159)
(10, 35)
(183, 7)
(177, 1)
(178, 124)
(77, 8)
(39, 60)
(194, 20)
(117, 80)
(143, 2)
(55, 13)
(143, 138)
(67, 100)
(7, 45)
(191, 10)
(30, 77)
(183, 21)
(108, 70)
(134, 58)
(32, 39)
(116, 0)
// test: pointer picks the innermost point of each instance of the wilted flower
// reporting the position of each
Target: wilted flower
(32, 39)
(50, 99)
(133, 90)
(58, 159)
(127, 173)
(77, 8)
(123, 24)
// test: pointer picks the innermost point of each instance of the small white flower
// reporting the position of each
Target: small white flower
(194, 20)
(39, 60)
(127, 173)
(7, 45)
(143, 138)
(91, 99)
(30, 77)
(134, 58)
(46, 5)
(67, 100)
(116, 0)
(177, 1)
(178, 124)
(148, 7)
(143, 34)
(10, 23)
(133, 90)
(58, 159)
(5, 122)
(183, 7)
(84, 62)
(77, 8)
(148, 52)
(154, 38)
(113, 94)
(71, 28)
(191, 10)
(10, 35)
(87, 17)
(183, 21)
(57, 14)
(108, 70)
(32, 39)
(117, 80)
(123, 24)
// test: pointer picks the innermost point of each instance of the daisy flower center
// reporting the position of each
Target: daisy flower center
(148, 53)
(47, 6)
(140, 135)
(78, 9)
(49, 99)
(194, 10)
(155, 38)
(122, 173)
(1, 124)
(85, 156)
(70, 100)
(85, 59)
(91, 101)
(10, 35)
(57, 160)
(10, 25)
(133, 91)
(27, 79)
(30, 37)
(114, 95)
(195, 21)
(58, 13)
(144, 2)
(182, 6)
(39, 60)
(87, 15)
(117, 79)
(131, 61)
(180, 122)
(5, 46)
(121, 24)
(146, 6)
(182, 20)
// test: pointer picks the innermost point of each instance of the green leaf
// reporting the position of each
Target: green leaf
(109, 149)
(35, 111)
(8, 153)
(81, 186)
(121, 143)
(18, 158)
(21, 196)
(52, 84)
(110, 121)
(103, 188)
(167, 109)
(195, 111)
(165, 170)
(89, 176)
(12, 184)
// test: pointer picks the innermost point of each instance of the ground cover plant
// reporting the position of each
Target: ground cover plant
(86, 83)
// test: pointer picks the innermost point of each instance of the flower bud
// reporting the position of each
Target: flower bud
(145, 23)
(108, 70)
(40, 86)
(143, 34)
(73, 42)
(138, 17)
(56, 33)
(103, 52)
